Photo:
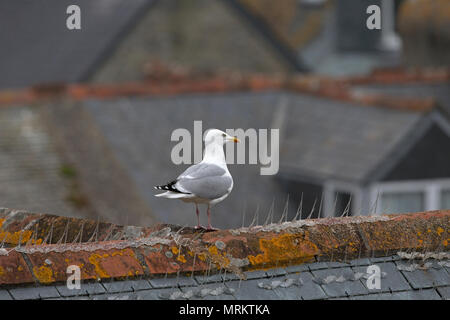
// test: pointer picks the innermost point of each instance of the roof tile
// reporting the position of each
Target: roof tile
(34, 293)
(86, 289)
(420, 279)
(4, 295)
(393, 281)
(310, 290)
(335, 289)
(13, 269)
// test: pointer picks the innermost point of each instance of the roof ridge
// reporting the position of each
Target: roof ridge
(170, 249)
(169, 83)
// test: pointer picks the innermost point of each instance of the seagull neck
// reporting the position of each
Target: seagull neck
(214, 154)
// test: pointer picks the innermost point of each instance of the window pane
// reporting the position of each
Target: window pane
(445, 199)
(402, 202)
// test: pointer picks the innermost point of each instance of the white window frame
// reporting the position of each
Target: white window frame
(432, 190)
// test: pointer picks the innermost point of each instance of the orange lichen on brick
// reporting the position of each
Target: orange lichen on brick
(181, 258)
(284, 249)
(174, 250)
(94, 259)
(36, 241)
(43, 274)
(14, 238)
(118, 263)
(202, 256)
(439, 231)
(2, 271)
(213, 250)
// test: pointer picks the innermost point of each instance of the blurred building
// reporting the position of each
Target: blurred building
(372, 141)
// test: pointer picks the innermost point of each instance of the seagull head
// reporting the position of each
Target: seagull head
(219, 137)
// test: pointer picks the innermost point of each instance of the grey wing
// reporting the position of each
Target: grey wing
(201, 170)
(206, 181)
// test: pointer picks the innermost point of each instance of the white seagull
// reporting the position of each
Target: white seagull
(208, 182)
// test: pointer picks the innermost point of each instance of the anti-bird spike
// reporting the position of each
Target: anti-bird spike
(243, 213)
(270, 214)
(255, 216)
(285, 209)
(320, 206)
(299, 209)
(312, 209)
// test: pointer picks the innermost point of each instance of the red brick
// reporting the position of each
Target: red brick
(13, 269)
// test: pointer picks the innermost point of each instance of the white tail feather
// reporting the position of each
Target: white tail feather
(171, 195)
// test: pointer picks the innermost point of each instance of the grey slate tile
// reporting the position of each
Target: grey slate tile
(317, 265)
(393, 281)
(276, 272)
(340, 289)
(376, 296)
(126, 285)
(427, 294)
(258, 274)
(117, 286)
(141, 284)
(337, 264)
(172, 282)
(376, 260)
(219, 277)
(444, 292)
(32, 293)
(427, 278)
(297, 268)
(228, 276)
(360, 262)
(197, 295)
(292, 292)
(4, 295)
(310, 290)
(208, 279)
(249, 290)
(86, 288)
(114, 296)
(24, 293)
(156, 294)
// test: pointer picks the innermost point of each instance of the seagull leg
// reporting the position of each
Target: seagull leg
(210, 228)
(198, 227)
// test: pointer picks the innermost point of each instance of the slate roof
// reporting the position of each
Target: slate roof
(305, 282)
(41, 49)
(30, 165)
(356, 138)
(414, 266)
(313, 131)
(439, 91)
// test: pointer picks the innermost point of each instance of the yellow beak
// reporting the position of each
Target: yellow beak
(236, 139)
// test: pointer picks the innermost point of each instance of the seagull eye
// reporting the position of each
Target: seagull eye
(224, 135)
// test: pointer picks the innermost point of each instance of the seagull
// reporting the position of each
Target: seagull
(208, 182)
